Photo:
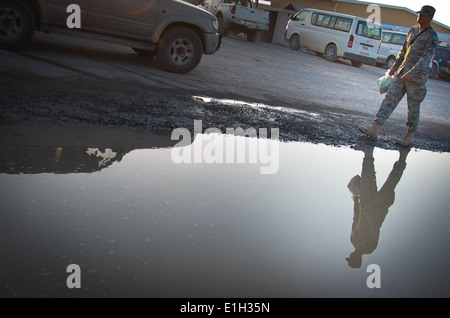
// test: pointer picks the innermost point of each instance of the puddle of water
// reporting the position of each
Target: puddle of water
(140, 225)
(234, 102)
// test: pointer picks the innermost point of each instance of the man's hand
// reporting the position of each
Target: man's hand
(391, 72)
(406, 78)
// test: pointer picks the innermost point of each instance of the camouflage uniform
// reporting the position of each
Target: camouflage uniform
(412, 60)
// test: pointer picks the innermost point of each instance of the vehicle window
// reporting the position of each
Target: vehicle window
(331, 22)
(314, 18)
(442, 54)
(325, 21)
(239, 3)
(319, 19)
(369, 30)
(398, 39)
(338, 23)
(346, 25)
(301, 16)
(343, 24)
(386, 37)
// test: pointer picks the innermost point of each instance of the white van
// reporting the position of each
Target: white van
(335, 35)
(391, 44)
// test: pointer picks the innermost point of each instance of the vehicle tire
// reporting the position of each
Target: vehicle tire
(294, 42)
(17, 25)
(389, 62)
(179, 50)
(356, 63)
(144, 52)
(331, 53)
(252, 36)
(221, 29)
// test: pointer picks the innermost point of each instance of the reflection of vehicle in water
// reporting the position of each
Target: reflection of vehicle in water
(46, 149)
(371, 205)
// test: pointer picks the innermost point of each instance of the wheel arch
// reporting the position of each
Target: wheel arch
(331, 43)
(389, 58)
(193, 27)
(40, 15)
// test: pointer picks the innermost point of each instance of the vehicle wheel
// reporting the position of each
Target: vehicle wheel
(144, 52)
(294, 42)
(17, 25)
(179, 50)
(331, 53)
(221, 30)
(389, 62)
(356, 63)
(252, 36)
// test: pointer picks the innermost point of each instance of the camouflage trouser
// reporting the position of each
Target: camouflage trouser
(415, 91)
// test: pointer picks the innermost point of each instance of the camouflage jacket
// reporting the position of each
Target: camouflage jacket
(414, 59)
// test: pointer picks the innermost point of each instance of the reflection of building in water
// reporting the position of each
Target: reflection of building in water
(33, 149)
(106, 156)
(60, 160)
(371, 205)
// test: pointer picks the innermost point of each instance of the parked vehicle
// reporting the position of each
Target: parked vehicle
(391, 44)
(177, 32)
(238, 16)
(335, 35)
(440, 65)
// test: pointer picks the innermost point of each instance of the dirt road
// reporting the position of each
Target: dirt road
(262, 85)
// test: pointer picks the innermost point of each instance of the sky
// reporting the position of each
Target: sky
(442, 7)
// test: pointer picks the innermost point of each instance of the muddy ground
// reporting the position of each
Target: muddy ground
(82, 97)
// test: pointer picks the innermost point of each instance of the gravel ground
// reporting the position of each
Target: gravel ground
(87, 84)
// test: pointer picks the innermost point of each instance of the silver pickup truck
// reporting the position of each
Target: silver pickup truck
(238, 16)
(176, 32)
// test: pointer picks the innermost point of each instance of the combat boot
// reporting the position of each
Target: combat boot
(407, 140)
(371, 131)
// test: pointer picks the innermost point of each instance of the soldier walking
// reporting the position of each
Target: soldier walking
(411, 66)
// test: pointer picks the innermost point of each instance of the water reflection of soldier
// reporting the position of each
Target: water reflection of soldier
(370, 205)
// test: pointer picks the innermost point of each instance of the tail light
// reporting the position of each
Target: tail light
(448, 63)
(379, 47)
(233, 9)
(350, 41)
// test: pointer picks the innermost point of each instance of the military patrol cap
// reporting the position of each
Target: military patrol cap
(427, 10)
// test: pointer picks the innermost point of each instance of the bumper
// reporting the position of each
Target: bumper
(362, 58)
(212, 43)
(251, 25)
